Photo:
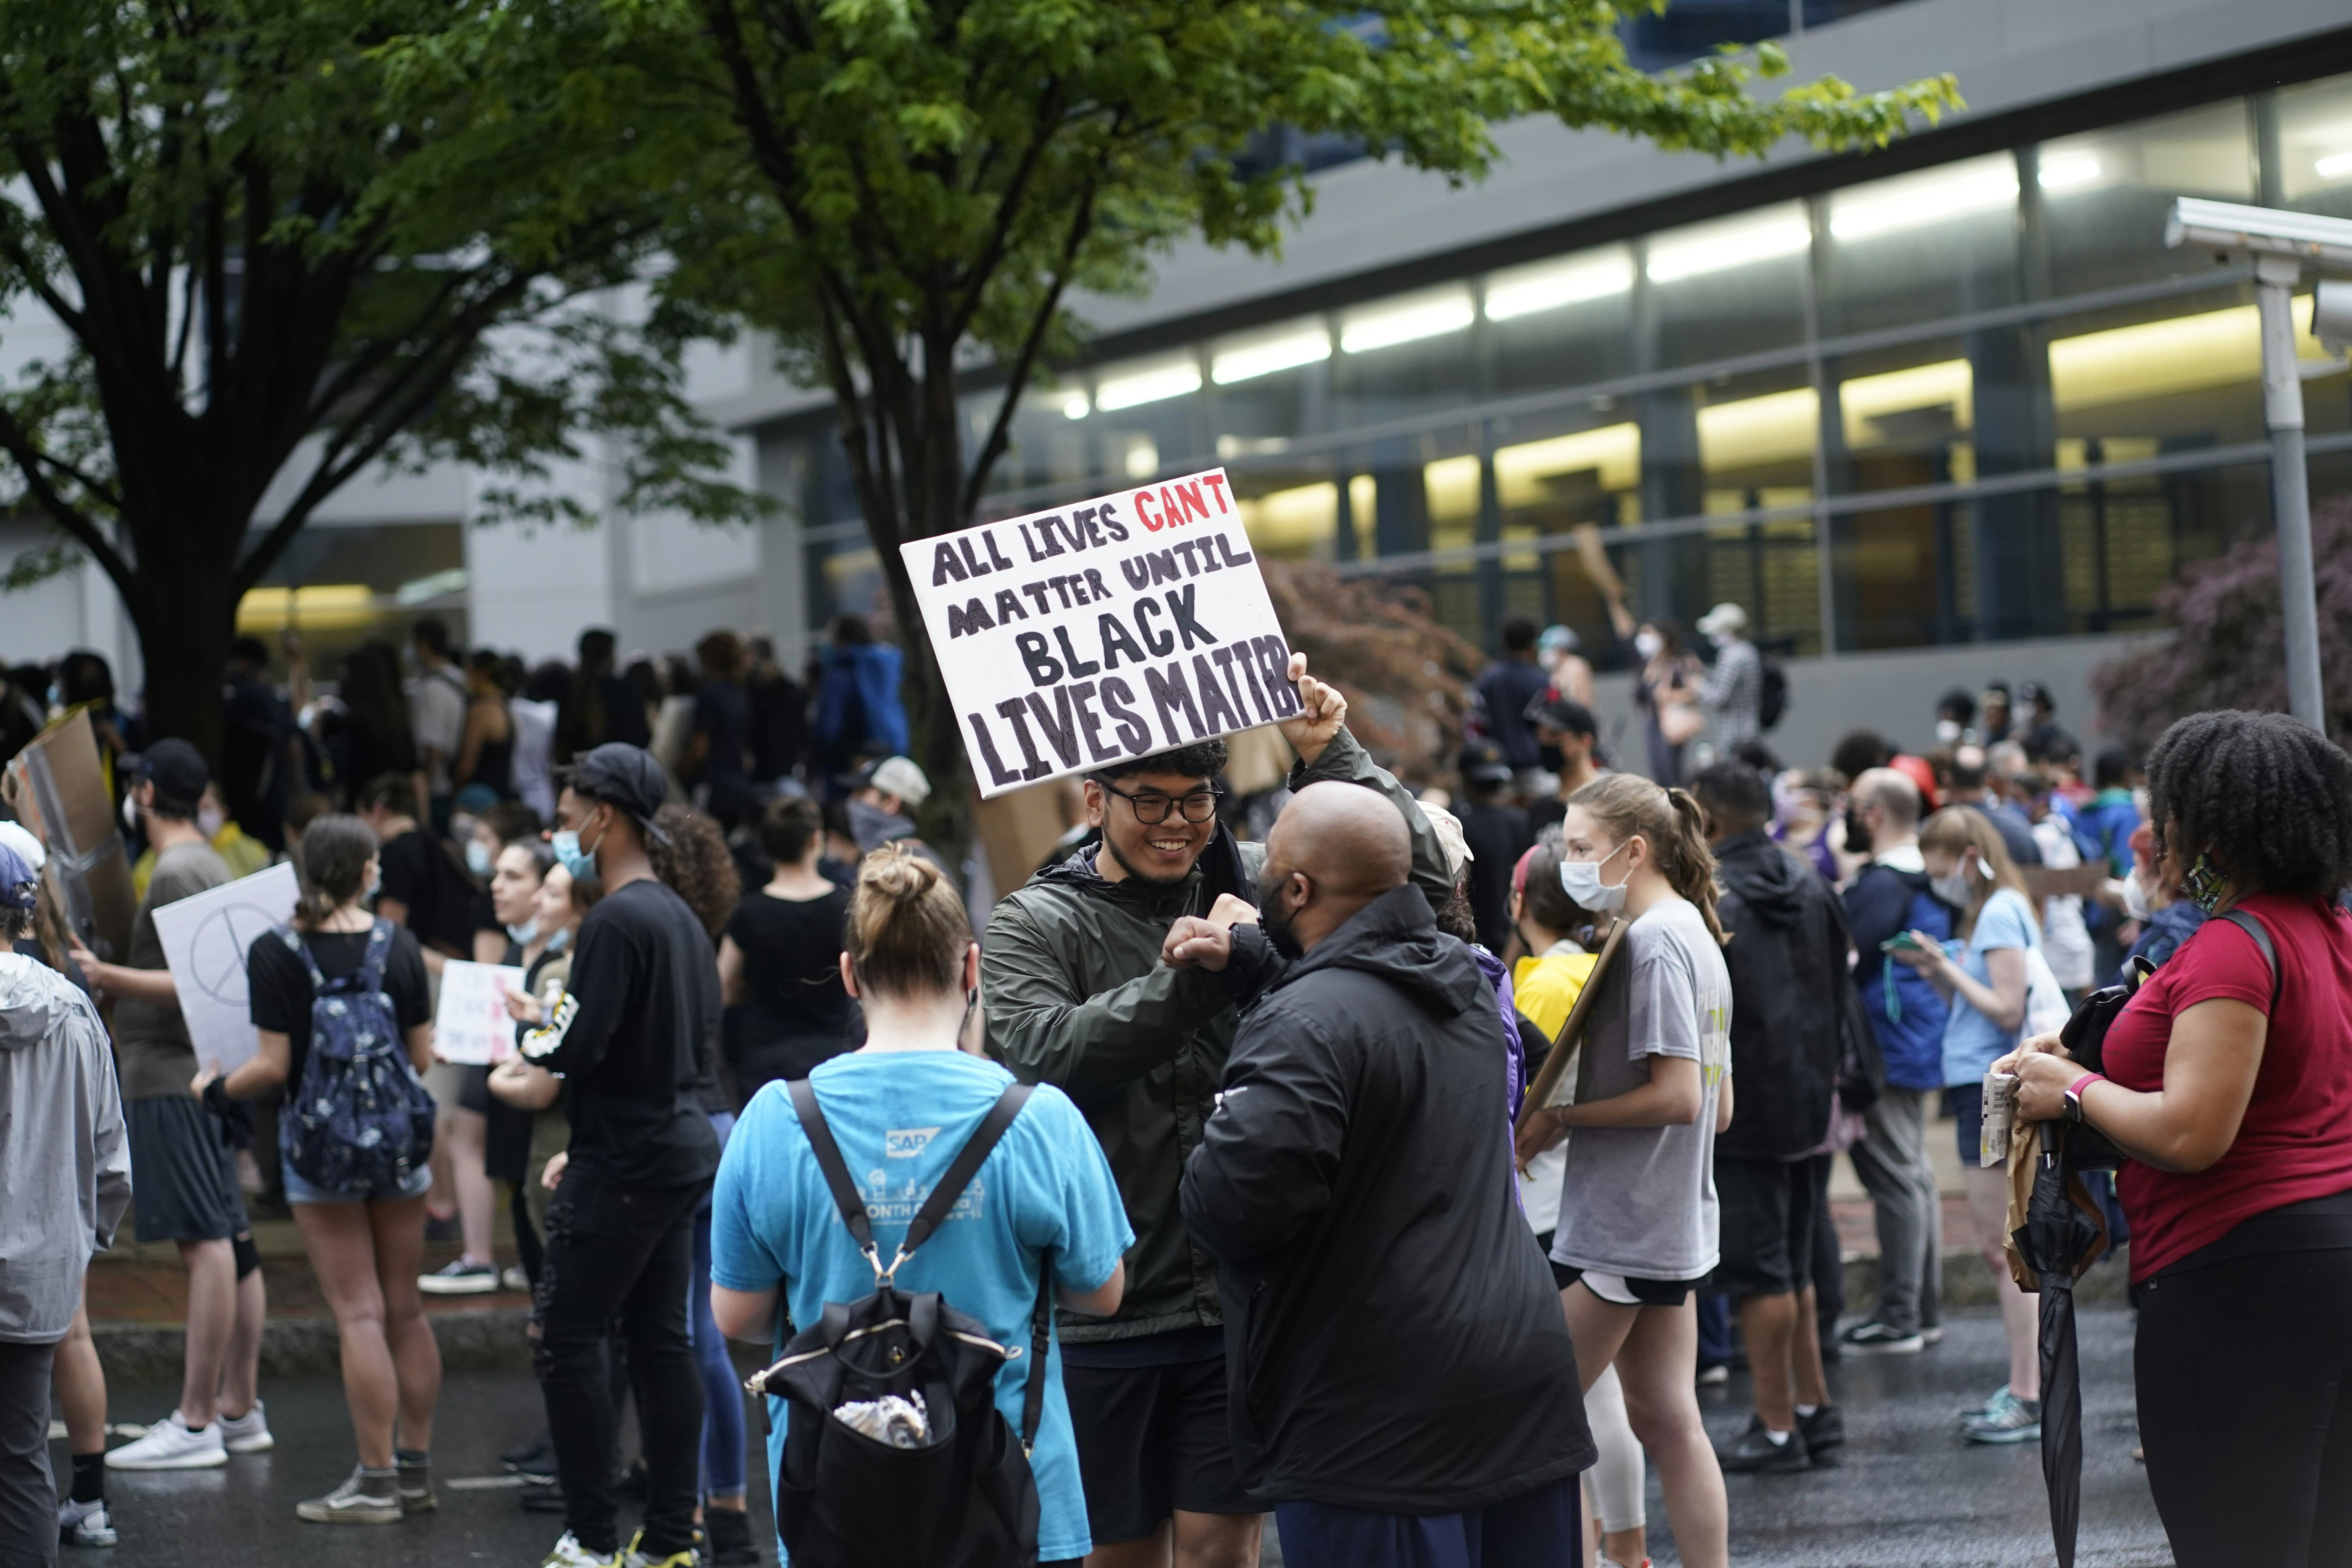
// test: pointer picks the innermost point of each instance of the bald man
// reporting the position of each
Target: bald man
(1402, 1386)
(1890, 895)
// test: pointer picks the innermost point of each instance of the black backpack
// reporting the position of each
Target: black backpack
(963, 1496)
(1771, 693)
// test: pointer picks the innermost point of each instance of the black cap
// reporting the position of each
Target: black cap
(177, 769)
(2033, 692)
(1483, 764)
(626, 776)
(1553, 711)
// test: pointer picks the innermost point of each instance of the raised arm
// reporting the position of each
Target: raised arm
(1344, 758)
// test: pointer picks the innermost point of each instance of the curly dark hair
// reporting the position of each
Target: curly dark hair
(2267, 797)
(695, 864)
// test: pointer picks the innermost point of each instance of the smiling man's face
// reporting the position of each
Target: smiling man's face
(1160, 852)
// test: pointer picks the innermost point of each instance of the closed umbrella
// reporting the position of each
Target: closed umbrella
(2063, 1233)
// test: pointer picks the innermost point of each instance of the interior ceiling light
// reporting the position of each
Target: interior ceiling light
(1406, 323)
(1721, 249)
(1268, 356)
(1897, 205)
(1523, 293)
(1154, 385)
(1074, 406)
(2333, 164)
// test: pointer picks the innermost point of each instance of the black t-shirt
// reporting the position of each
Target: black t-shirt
(723, 713)
(439, 896)
(1543, 814)
(279, 985)
(1496, 836)
(792, 967)
(629, 1037)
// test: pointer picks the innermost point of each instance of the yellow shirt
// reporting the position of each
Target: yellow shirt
(244, 854)
(1546, 988)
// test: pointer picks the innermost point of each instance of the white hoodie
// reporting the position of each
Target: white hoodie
(64, 1165)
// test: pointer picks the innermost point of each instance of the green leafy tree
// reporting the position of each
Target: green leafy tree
(908, 191)
(276, 266)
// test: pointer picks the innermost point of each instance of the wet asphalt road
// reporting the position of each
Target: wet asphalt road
(1907, 1491)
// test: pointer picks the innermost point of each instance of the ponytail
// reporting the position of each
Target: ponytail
(1671, 821)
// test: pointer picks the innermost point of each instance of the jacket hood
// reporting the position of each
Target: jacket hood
(873, 828)
(1768, 879)
(1222, 868)
(35, 1002)
(1396, 938)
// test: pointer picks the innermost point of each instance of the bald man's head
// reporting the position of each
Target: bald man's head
(1334, 848)
(1891, 792)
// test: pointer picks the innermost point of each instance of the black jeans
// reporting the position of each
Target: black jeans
(618, 1260)
(2244, 1374)
(29, 1495)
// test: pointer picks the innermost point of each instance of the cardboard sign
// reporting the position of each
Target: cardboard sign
(57, 787)
(471, 1024)
(205, 938)
(1133, 623)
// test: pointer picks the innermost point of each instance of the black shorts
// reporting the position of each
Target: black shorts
(1768, 1208)
(1645, 1293)
(183, 1171)
(473, 1090)
(1153, 1439)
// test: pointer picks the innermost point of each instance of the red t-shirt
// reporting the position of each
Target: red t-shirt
(2296, 1141)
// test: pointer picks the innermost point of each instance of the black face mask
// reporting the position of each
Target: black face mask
(1275, 920)
(1857, 832)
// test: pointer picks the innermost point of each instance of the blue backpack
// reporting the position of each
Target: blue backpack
(361, 1117)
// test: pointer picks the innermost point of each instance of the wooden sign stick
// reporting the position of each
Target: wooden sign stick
(1563, 1049)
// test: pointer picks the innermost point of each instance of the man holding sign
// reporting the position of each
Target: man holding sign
(1077, 995)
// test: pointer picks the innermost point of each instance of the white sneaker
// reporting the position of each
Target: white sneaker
(460, 1276)
(513, 1277)
(85, 1524)
(249, 1433)
(170, 1446)
(568, 1553)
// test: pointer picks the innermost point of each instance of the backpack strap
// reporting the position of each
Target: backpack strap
(944, 1193)
(301, 950)
(2260, 934)
(378, 956)
(1041, 1330)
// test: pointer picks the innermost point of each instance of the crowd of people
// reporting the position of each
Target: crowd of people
(1402, 1173)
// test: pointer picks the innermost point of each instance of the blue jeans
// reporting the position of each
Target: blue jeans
(723, 1434)
(1537, 1527)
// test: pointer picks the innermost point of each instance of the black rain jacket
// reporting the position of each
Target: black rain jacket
(1790, 983)
(1393, 1339)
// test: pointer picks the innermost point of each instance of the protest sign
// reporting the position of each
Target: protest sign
(206, 937)
(1132, 623)
(471, 1024)
(57, 786)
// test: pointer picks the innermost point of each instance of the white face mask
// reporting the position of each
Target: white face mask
(521, 935)
(1947, 731)
(1648, 644)
(130, 814)
(1581, 880)
(210, 822)
(1959, 887)
(478, 858)
(2135, 898)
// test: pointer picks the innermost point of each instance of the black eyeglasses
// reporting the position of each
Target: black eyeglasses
(1151, 806)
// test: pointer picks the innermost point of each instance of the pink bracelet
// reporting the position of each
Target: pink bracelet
(2075, 1089)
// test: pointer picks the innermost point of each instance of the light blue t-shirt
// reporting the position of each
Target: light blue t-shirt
(899, 1117)
(1973, 1042)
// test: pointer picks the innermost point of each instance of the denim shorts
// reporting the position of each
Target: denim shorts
(1964, 1103)
(298, 1191)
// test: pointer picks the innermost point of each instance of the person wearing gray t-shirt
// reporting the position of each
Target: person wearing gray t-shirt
(1637, 1227)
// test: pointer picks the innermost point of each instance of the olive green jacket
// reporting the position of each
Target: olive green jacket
(1076, 997)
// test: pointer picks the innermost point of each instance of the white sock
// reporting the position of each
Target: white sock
(1780, 1439)
(1807, 1411)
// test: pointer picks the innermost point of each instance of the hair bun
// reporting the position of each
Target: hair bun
(898, 873)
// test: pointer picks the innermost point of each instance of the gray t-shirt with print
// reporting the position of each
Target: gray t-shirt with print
(1640, 1201)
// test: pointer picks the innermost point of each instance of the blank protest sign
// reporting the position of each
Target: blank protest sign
(1114, 627)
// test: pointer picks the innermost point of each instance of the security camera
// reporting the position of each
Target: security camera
(2261, 231)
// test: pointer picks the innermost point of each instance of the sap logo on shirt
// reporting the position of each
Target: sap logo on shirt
(908, 1143)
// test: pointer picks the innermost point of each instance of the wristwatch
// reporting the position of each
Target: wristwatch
(2075, 1095)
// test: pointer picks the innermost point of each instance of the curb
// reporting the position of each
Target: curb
(484, 1340)
(1968, 1281)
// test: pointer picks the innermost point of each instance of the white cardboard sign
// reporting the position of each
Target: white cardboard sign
(471, 1024)
(205, 938)
(1132, 623)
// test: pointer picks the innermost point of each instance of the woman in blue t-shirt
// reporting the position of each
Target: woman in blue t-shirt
(1984, 972)
(900, 1107)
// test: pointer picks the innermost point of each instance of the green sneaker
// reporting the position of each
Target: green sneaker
(2017, 1421)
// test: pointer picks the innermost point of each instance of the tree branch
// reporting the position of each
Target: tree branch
(29, 458)
(1025, 363)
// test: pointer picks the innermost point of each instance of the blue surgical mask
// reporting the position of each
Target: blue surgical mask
(1581, 880)
(521, 935)
(478, 858)
(560, 941)
(375, 886)
(566, 844)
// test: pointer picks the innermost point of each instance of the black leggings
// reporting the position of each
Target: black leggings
(2244, 1374)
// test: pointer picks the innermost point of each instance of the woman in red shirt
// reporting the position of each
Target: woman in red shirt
(2229, 1084)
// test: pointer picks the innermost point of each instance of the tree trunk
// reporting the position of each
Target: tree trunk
(186, 617)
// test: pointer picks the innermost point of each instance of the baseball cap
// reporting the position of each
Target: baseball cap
(1558, 638)
(1448, 828)
(176, 769)
(901, 777)
(1566, 714)
(626, 776)
(21, 858)
(1726, 617)
(1483, 764)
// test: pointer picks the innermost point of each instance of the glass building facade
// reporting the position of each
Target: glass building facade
(1973, 402)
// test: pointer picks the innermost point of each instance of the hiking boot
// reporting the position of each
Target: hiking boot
(249, 1433)
(85, 1524)
(366, 1497)
(1754, 1452)
(169, 1444)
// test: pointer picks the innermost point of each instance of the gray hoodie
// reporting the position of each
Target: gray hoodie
(64, 1165)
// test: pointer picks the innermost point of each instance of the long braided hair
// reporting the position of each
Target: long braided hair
(2268, 798)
